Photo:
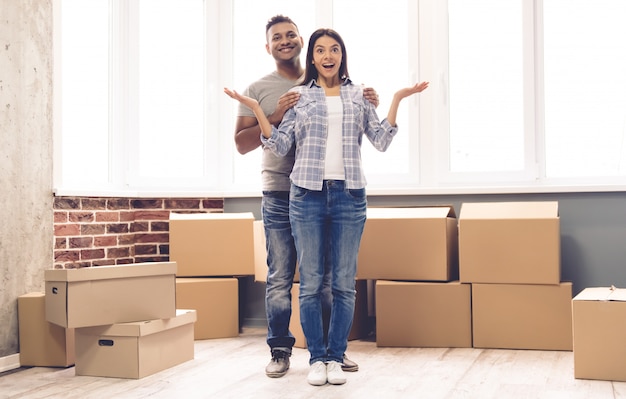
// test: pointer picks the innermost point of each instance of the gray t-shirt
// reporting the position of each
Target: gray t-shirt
(275, 170)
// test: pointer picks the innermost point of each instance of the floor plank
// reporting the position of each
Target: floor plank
(234, 368)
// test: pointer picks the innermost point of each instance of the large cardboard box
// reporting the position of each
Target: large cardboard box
(216, 301)
(360, 322)
(260, 254)
(419, 314)
(510, 243)
(102, 295)
(212, 244)
(42, 344)
(522, 316)
(135, 350)
(599, 317)
(409, 244)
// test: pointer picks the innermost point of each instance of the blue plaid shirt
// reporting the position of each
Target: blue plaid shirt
(306, 124)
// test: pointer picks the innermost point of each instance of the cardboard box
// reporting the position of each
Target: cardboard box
(522, 316)
(409, 244)
(135, 350)
(360, 325)
(260, 254)
(599, 317)
(216, 301)
(212, 244)
(510, 243)
(417, 314)
(102, 295)
(42, 344)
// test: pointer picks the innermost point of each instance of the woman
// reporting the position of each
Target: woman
(327, 199)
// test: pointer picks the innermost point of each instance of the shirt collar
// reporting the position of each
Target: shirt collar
(313, 82)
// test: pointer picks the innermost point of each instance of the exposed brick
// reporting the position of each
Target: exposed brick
(112, 216)
(104, 262)
(182, 203)
(139, 226)
(126, 239)
(77, 265)
(66, 203)
(213, 203)
(164, 249)
(87, 254)
(146, 250)
(92, 229)
(81, 242)
(157, 237)
(81, 217)
(119, 252)
(124, 261)
(60, 217)
(118, 203)
(60, 243)
(105, 241)
(94, 203)
(152, 259)
(152, 215)
(66, 230)
(66, 256)
(160, 226)
(147, 204)
(127, 216)
(116, 228)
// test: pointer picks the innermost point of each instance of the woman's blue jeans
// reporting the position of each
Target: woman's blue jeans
(328, 222)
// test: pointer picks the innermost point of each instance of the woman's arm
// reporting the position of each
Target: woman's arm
(399, 96)
(264, 123)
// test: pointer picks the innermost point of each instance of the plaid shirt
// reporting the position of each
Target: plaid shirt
(307, 124)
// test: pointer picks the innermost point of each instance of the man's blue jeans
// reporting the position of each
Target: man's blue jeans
(327, 224)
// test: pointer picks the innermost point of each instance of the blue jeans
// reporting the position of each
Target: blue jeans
(281, 262)
(327, 224)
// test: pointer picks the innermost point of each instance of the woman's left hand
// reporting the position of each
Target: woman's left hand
(247, 101)
(407, 91)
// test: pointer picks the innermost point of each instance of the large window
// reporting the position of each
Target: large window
(522, 97)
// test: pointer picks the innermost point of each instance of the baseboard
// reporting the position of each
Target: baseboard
(9, 362)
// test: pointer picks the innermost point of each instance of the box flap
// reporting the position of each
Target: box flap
(602, 294)
(111, 272)
(211, 216)
(437, 212)
(510, 210)
(143, 328)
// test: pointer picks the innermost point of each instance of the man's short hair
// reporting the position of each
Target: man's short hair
(277, 19)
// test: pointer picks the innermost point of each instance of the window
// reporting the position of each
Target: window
(521, 97)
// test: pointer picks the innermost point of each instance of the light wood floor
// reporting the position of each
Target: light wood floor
(234, 368)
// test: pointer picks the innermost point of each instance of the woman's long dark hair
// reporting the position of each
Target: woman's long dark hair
(310, 72)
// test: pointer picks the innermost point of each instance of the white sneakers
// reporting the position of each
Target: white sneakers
(335, 374)
(320, 373)
(317, 374)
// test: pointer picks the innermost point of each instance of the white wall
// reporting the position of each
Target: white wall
(25, 157)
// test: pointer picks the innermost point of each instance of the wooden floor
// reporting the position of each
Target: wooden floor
(234, 368)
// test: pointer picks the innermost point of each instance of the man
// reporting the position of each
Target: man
(284, 44)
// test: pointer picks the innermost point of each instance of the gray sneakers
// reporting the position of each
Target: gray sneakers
(349, 365)
(279, 364)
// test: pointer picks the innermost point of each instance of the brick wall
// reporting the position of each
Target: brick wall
(111, 231)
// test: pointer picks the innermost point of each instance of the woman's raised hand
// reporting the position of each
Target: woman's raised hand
(247, 101)
(407, 91)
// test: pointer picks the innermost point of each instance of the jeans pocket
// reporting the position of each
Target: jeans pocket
(297, 193)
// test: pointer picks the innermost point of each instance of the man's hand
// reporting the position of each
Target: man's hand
(371, 96)
(286, 101)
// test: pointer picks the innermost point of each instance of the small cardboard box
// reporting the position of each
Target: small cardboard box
(260, 254)
(216, 301)
(42, 344)
(418, 314)
(212, 244)
(102, 295)
(599, 317)
(510, 243)
(135, 350)
(522, 316)
(409, 244)
(360, 325)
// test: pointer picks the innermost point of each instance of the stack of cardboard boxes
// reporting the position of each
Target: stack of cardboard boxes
(511, 254)
(412, 253)
(123, 318)
(212, 250)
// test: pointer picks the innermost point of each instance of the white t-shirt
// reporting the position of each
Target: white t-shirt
(333, 162)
